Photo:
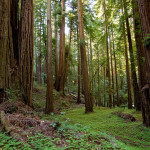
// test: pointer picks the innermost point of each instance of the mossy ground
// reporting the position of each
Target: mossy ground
(131, 133)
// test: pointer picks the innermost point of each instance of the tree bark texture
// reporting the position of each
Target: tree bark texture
(144, 8)
(6, 48)
(85, 76)
(26, 50)
(49, 93)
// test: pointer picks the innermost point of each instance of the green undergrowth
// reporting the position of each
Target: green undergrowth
(103, 120)
(73, 136)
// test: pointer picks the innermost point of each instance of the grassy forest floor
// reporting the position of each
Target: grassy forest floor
(71, 128)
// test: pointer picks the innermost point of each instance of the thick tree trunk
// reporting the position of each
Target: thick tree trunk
(87, 92)
(140, 50)
(137, 96)
(65, 71)
(49, 94)
(60, 86)
(26, 50)
(144, 7)
(6, 48)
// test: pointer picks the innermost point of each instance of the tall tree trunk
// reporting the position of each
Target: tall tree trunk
(116, 73)
(65, 71)
(137, 96)
(56, 49)
(127, 66)
(112, 71)
(91, 64)
(87, 92)
(104, 86)
(49, 94)
(79, 69)
(144, 7)
(40, 56)
(60, 86)
(6, 47)
(108, 63)
(140, 49)
(98, 76)
(26, 50)
(15, 27)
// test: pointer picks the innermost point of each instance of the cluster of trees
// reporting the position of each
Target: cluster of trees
(105, 56)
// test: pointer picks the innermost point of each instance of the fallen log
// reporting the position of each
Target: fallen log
(8, 128)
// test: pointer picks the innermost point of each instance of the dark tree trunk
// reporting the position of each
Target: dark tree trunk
(137, 96)
(140, 50)
(26, 50)
(144, 8)
(6, 48)
(127, 66)
(79, 70)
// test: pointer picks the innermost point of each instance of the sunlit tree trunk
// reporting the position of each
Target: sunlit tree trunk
(60, 86)
(112, 72)
(108, 63)
(87, 92)
(56, 49)
(49, 93)
(116, 73)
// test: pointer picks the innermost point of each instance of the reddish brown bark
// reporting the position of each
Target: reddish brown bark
(87, 92)
(49, 93)
(26, 50)
(144, 7)
(6, 48)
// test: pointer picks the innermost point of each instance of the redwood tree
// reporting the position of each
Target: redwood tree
(49, 93)
(85, 76)
(26, 50)
(144, 7)
(6, 47)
